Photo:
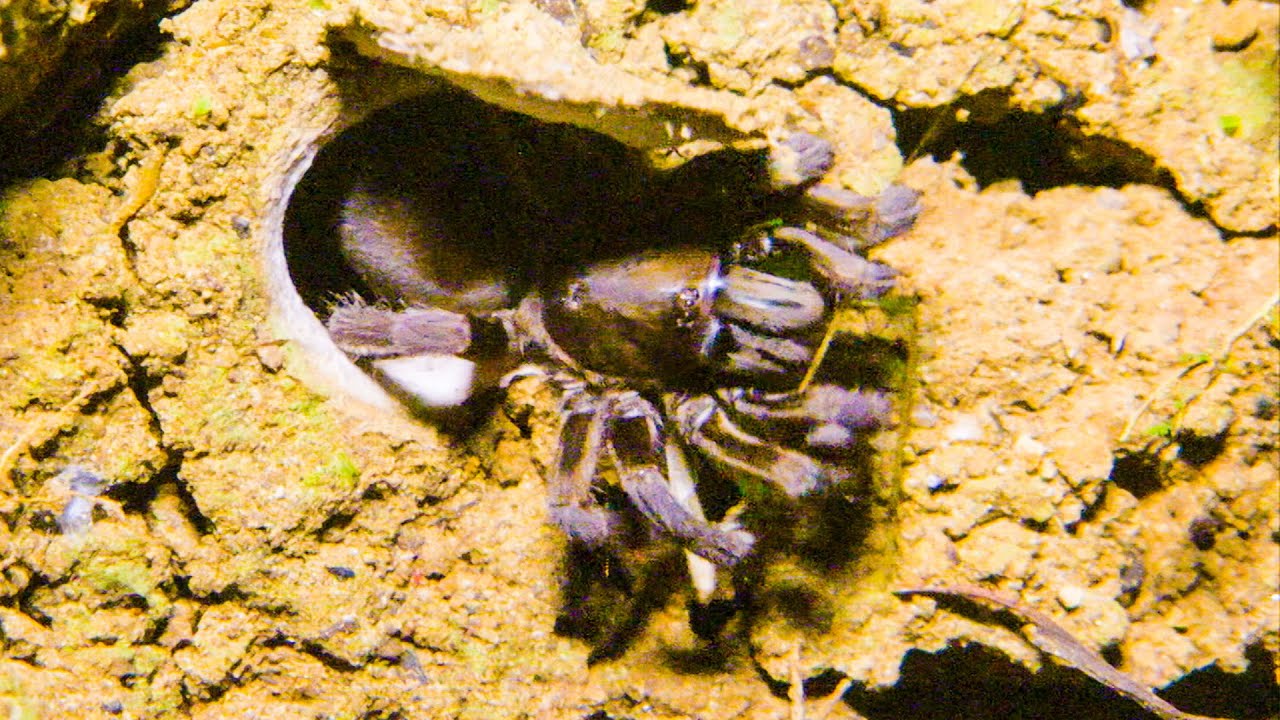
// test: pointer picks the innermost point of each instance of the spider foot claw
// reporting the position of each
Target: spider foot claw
(857, 222)
(897, 209)
(843, 269)
(801, 158)
(591, 526)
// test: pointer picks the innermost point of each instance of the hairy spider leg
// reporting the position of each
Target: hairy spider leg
(759, 309)
(706, 426)
(857, 222)
(702, 572)
(369, 331)
(637, 449)
(845, 271)
(571, 505)
(822, 417)
(844, 223)
(417, 350)
(761, 356)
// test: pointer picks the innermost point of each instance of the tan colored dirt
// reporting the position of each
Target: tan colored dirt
(1094, 429)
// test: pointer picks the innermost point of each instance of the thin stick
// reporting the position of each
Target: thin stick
(1052, 638)
(836, 698)
(144, 188)
(142, 191)
(796, 691)
(1224, 352)
(9, 459)
(820, 354)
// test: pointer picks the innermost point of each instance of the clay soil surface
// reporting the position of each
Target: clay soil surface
(198, 523)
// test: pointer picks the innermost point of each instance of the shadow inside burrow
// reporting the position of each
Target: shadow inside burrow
(609, 597)
(502, 190)
(507, 202)
(807, 553)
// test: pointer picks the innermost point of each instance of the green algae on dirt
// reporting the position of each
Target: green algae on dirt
(1250, 93)
(340, 473)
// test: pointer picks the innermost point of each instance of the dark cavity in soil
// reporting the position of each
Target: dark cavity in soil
(494, 189)
(1040, 150)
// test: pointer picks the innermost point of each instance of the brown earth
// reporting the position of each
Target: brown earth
(1094, 429)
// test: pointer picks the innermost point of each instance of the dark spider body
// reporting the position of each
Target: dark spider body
(658, 351)
(645, 317)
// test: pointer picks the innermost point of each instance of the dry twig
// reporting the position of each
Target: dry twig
(1052, 638)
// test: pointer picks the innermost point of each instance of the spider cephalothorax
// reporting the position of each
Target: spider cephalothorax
(685, 345)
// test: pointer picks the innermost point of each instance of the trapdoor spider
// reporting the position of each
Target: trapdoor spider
(659, 349)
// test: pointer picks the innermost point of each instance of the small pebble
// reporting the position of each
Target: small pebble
(816, 53)
(1028, 447)
(1071, 597)
(902, 50)
(1136, 35)
(923, 416)
(340, 572)
(1041, 511)
(1265, 407)
(271, 357)
(242, 226)
(1203, 532)
(965, 427)
(77, 515)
